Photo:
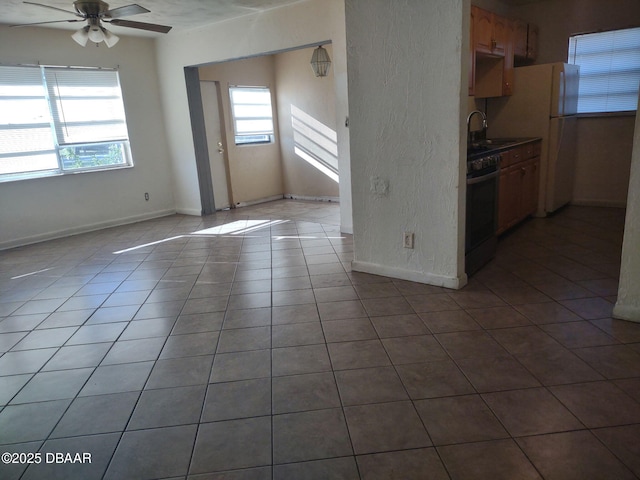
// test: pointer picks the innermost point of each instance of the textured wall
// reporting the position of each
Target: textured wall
(603, 160)
(302, 24)
(255, 170)
(43, 208)
(628, 303)
(405, 97)
(307, 119)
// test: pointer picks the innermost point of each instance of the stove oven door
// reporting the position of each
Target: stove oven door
(482, 218)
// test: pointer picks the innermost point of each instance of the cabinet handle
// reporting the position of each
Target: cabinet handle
(493, 44)
(523, 170)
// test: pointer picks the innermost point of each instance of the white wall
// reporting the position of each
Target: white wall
(628, 302)
(39, 209)
(603, 160)
(604, 143)
(406, 93)
(312, 102)
(255, 170)
(276, 30)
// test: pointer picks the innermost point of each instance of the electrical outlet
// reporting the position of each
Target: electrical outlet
(407, 239)
(146, 196)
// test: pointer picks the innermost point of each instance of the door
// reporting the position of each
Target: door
(215, 144)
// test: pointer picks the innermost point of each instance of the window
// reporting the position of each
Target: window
(252, 115)
(609, 70)
(56, 120)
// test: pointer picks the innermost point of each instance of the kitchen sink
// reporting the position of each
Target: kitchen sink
(489, 144)
(494, 143)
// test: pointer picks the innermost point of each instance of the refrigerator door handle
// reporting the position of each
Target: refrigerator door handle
(563, 89)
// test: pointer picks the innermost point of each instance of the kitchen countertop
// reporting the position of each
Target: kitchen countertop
(496, 145)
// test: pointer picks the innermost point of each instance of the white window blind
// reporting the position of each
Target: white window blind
(55, 120)
(252, 114)
(609, 70)
(86, 108)
(26, 143)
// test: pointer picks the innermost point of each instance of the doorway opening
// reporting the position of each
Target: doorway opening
(300, 159)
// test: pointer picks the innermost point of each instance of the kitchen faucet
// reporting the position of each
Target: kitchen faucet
(471, 135)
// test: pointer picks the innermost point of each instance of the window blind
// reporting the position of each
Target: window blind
(26, 142)
(609, 70)
(252, 111)
(55, 120)
(86, 107)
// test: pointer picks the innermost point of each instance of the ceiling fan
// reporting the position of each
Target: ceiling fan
(97, 12)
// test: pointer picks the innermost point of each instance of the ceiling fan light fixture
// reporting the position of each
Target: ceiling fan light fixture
(96, 35)
(94, 12)
(109, 38)
(81, 37)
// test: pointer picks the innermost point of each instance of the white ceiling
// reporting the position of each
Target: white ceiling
(180, 14)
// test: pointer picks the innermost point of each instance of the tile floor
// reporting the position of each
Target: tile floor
(241, 346)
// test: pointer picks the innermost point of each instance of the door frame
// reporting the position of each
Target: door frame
(224, 139)
(198, 130)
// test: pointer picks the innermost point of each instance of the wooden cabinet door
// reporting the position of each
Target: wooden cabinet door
(530, 182)
(482, 30)
(507, 71)
(509, 198)
(520, 39)
(500, 35)
(518, 185)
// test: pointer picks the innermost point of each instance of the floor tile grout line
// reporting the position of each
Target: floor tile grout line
(491, 329)
(124, 430)
(335, 383)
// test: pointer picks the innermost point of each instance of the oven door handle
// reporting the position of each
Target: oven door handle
(484, 178)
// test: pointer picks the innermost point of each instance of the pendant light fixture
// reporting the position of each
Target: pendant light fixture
(320, 62)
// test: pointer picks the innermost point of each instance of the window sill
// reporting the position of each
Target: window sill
(629, 113)
(56, 173)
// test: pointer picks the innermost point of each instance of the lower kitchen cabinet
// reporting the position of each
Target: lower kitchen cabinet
(519, 185)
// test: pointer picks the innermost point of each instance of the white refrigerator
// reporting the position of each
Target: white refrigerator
(544, 104)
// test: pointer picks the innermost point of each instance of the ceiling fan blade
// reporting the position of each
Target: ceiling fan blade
(142, 26)
(42, 23)
(125, 11)
(54, 8)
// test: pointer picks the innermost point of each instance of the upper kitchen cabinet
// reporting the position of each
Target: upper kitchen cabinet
(525, 48)
(490, 32)
(497, 45)
(507, 71)
(520, 38)
(532, 42)
(491, 55)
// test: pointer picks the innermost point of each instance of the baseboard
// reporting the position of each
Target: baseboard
(347, 230)
(598, 203)
(30, 240)
(189, 211)
(627, 312)
(258, 201)
(427, 278)
(294, 196)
